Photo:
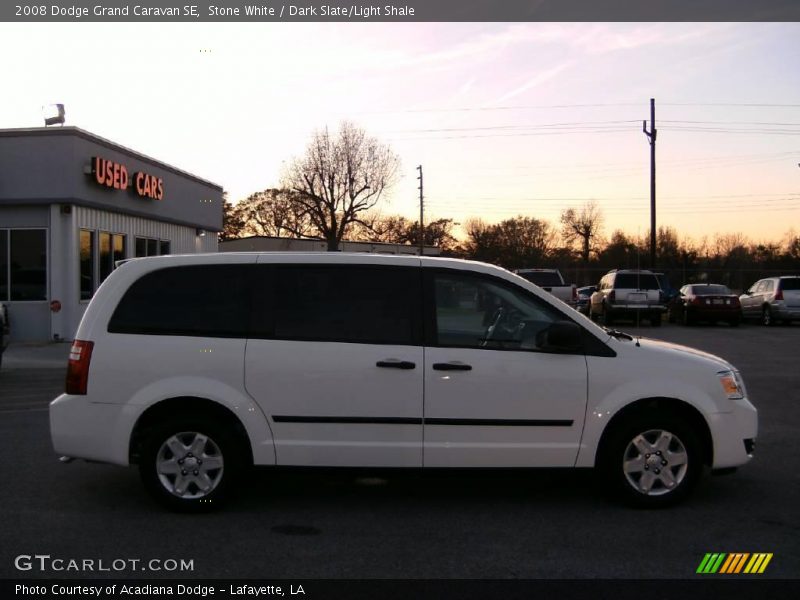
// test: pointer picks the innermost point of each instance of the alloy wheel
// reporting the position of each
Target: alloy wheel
(189, 465)
(655, 462)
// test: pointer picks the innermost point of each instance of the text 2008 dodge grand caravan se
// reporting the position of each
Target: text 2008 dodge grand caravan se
(195, 367)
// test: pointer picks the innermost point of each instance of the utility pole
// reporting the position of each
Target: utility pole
(651, 137)
(421, 213)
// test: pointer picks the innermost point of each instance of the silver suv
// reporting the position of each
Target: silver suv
(628, 293)
(773, 299)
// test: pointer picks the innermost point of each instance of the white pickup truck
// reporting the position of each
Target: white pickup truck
(550, 280)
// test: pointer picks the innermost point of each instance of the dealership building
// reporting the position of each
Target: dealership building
(71, 205)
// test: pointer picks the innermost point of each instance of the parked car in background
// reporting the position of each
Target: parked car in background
(584, 296)
(628, 294)
(551, 280)
(4, 330)
(773, 299)
(705, 302)
(668, 293)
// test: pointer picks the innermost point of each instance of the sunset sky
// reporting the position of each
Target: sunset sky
(506, 119)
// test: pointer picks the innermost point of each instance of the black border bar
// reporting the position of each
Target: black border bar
(710, 587)
(354, 11)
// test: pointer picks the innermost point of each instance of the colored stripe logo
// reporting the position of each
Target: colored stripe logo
(734, 563)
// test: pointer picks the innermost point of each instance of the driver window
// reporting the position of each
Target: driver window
(482, 312)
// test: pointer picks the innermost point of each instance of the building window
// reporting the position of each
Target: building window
(26, 264)
(151, 247)
(87, 264)
(112, 249)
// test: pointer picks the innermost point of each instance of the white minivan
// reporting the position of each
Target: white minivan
(196, 367)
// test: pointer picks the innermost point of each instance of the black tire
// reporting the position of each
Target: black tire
(687, 318)
(608, 319)
(620, 447)
(671, 316)
(655, 319)
(734, 322)
(766, 317)
(223, 446)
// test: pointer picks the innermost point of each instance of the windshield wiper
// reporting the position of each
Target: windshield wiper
(618, 334)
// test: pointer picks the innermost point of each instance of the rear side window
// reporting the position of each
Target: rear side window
(202, 300)
(636, 281)
(790, 284)
(345, 303)
(543, 279)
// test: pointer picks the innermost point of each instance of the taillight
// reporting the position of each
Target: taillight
(574, 293)
(779, 294)
(78, 367)
(697, 301)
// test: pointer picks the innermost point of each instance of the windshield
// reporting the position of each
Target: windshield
(710, 290)
(542, 278)
(637, 281)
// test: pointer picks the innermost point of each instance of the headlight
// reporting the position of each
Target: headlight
(732, 384)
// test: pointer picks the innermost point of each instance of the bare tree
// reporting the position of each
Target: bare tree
(340, 177)
(582, 227)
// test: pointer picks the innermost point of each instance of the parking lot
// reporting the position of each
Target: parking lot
(551, 524)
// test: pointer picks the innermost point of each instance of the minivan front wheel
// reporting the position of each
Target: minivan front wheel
(653, 461)
(190, 464)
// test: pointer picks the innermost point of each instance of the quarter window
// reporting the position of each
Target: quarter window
(203, 300)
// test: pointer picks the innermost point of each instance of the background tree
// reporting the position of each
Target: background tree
(276, 213)
(339, 178)
(232, 223)
(582, 227)
(396, 229)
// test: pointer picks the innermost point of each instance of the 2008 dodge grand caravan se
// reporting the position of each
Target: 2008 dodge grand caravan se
(195, 367)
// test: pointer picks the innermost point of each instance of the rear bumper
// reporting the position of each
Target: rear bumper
(721, 312)
(618, 309)
(90, 430)
(781, 311)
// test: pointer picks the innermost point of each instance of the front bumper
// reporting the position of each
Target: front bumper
(734, 434)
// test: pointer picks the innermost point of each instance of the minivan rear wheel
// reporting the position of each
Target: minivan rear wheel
(190, 464)
(653, 461)
(766, 316)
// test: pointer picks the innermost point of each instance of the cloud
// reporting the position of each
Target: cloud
(535, 81)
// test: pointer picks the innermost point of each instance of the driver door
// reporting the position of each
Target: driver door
(492, 397)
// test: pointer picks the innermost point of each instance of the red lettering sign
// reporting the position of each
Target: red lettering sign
(114, 175)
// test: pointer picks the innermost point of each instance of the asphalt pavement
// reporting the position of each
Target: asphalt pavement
(544, 524)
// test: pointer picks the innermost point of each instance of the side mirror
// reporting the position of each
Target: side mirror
(561, 336)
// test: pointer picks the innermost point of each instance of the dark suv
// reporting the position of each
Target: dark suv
(628, 293)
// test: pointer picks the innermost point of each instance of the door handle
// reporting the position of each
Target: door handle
(396, 364)
(451, 366)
